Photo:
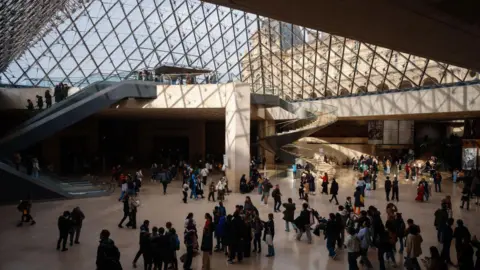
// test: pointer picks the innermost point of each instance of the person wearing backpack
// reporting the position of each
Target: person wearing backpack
(108, 255)
(304, 222)
(365, 243)
(25, 207)
(288, 214)
(266, 186)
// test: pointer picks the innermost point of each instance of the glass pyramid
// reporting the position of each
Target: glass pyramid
(112, 39)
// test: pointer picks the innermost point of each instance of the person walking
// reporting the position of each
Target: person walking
(462, 236)
(413, 248)
(108, 255)
(77, 221)
(277, 199)
(395, 190)
(64, 225)
(211, 191)
(353, 249)
(388, 188)
(400, 228)
(437, 181)
(331, 234)
(325, 184)
(334, 191)
(441, 218)
(143, 230)
(288, 214)
(365, 238)
(303, 223)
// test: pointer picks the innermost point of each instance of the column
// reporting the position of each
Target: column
(266, 127)
(237, 133)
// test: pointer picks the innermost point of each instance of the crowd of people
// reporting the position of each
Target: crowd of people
(352, 230)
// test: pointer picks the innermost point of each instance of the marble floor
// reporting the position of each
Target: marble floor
(33, 247)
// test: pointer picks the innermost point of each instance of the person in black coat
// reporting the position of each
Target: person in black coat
(334, 190)
(161, 246)
(48, 99)
(395, 189)
(447, 237)
(388, 188)
(461, 235)
(331, 234)
(126, 210)
(64, 226)
(77, 221)
(108, 255)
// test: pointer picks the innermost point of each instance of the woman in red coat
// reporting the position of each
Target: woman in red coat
(420, 192)
(325, 184)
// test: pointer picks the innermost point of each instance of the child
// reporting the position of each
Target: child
(269, 234)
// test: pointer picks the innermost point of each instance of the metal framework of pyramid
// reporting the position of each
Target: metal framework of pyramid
(85, 41)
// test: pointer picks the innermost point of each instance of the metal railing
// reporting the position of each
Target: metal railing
(313, 116)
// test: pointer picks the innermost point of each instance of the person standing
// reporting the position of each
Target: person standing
(108, 255)
(204, 174)
(395, 188)
(277, 199)
(400, 228)
(77, 221)
(353, 248)
(325, 184)
(257, 234)
(126, 209)
(160, 249)
(288, 214)
(35, 167)
(64, 225)
(441, 218)
(388, 188)
(185, 192)
(207, 242)
(334, 191)
(269, 235)
(447, 237)
(48, 99)
(437, 180)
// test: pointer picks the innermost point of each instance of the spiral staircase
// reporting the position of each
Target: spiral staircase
(308, 121)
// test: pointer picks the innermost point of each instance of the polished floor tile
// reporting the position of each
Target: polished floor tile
(33, 247)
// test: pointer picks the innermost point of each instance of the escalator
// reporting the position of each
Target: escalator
(75, 108)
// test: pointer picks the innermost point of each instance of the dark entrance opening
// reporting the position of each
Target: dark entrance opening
(170, 150)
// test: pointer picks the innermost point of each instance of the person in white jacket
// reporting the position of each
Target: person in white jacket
(221, 189)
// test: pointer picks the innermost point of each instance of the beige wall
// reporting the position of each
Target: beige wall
(447, 100)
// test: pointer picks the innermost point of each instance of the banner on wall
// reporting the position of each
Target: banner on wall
(375, 132)
(469, 159)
